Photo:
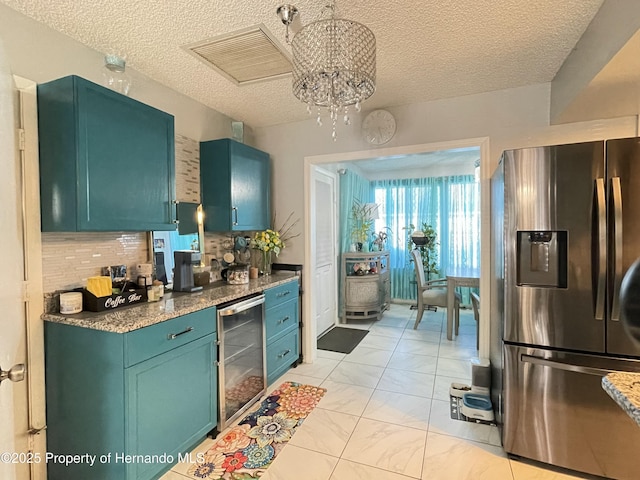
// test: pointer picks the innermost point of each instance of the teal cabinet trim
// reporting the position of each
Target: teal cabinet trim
(164, 403)
(107, 162)
(235, 186)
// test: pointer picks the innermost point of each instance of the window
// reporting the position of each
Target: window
(451, 205)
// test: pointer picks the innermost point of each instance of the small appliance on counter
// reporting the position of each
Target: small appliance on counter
(183, 270)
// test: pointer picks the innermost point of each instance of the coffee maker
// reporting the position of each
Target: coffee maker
(183, 270)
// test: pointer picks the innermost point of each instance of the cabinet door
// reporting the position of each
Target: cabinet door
(126, 163)
(234, 185)
(171, 403)
(250, 196)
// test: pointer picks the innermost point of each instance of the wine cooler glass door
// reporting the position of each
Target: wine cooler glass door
(242, 371)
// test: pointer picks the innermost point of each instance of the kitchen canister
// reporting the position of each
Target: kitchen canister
(238, 274)
(70, 302)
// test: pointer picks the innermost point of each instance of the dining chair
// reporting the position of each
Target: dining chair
(432, 292)
(475, 303)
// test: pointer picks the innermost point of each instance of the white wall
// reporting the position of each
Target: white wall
(511, 118)
(499, 120)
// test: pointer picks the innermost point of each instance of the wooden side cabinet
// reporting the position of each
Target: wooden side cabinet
(106, 160)
(235, 186)
(282, 333)
(366, 288)
(152, 391)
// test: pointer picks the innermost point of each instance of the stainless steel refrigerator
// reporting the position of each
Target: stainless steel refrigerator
(566, 227)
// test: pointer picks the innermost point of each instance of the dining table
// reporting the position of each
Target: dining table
(459, 277)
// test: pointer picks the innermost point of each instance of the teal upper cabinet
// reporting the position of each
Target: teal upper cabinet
(235, 183)
(106, 160)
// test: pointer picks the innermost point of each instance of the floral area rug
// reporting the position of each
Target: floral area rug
(244, 452)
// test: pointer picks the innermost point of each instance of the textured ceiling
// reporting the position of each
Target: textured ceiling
(427, 49)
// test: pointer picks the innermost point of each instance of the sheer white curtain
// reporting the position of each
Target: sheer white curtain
(451, 205)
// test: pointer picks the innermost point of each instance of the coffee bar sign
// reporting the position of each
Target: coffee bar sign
(99, 304)
(121, 300)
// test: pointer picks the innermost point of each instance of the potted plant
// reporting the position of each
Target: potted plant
(424, 240)
(380, 239)
(362, 220)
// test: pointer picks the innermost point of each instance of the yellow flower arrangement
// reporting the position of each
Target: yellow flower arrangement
(273, 240)
(268, 241)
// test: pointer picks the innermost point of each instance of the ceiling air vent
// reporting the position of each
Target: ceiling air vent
(245, 56)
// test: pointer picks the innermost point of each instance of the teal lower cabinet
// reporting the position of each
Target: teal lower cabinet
(282, 334)
(130, 405)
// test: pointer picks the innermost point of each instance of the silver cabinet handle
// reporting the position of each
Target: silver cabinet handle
(601, 372)
(602, 249)
(282, 320)
(284, 354)
(617, 245)
(235, 215)
(173, 336)
(15, 373)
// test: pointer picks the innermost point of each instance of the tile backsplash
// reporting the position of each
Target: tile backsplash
(68, 259)
(187, 170)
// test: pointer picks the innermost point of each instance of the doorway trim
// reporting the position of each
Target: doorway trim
(308, 340)
(33, 286)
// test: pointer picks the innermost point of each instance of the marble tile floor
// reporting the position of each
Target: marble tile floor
(385, 415)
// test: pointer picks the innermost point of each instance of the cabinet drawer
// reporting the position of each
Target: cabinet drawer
(280, 294)
(159, 338)
(281, 354)
(281, 319)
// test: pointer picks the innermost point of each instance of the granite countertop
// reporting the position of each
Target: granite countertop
(127, 319)
(624, 388)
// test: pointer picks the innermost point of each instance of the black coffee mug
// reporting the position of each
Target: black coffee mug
(223, 273)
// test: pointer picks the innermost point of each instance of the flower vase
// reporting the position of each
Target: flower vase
(266, 262)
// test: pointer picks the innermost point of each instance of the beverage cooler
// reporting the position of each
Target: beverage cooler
(241, 357)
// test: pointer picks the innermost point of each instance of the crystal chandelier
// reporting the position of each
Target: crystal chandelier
(334, 63)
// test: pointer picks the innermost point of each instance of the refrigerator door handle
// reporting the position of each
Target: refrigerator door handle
(602, 248)
(569, 367)
(617, 247)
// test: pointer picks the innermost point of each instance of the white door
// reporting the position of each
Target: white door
(23, 453)
(324, 259)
